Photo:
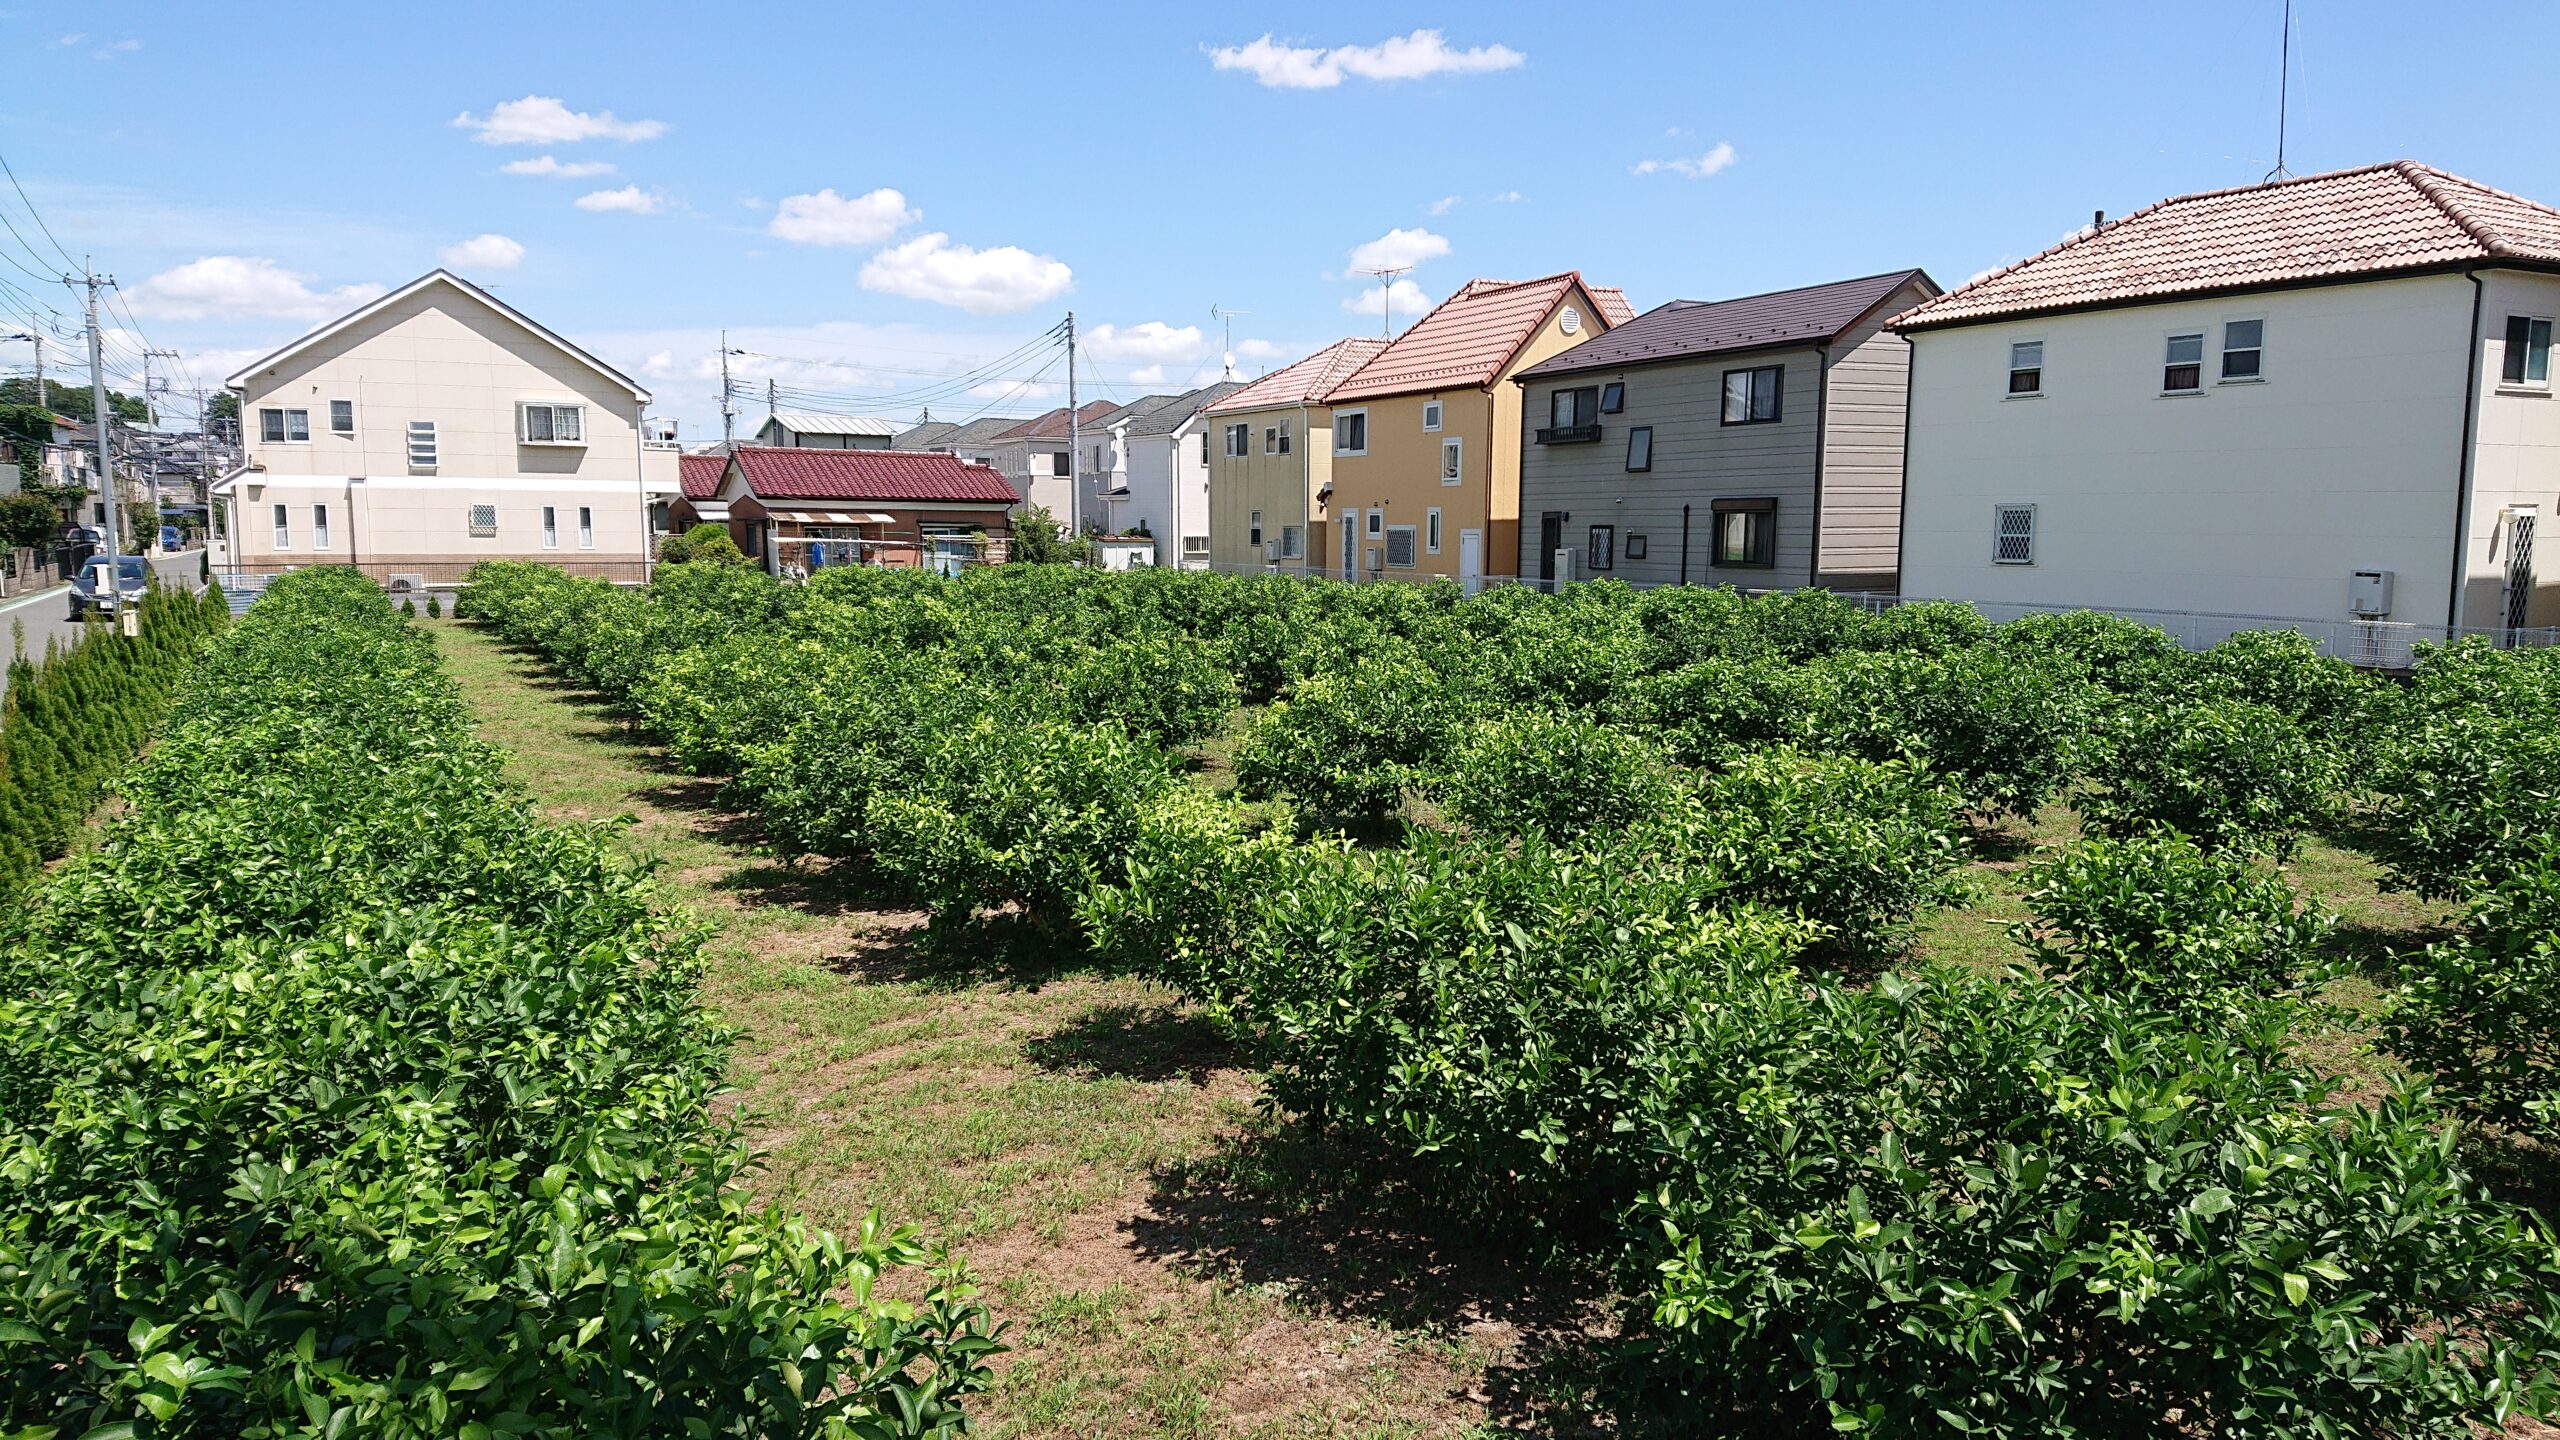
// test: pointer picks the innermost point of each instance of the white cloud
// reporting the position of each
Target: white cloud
(1405, 57)
(828, 218)
(239, 287)
(115, 48)
(1261, 350)
(629, 197)
(1509, 197)
(1409, 300)
(1153, 340)
(995, 281)
(659, 365)
(483, 252)
(1444, 204)
(1711, 163)
(548, 166)
(1398, 250)
(543, 120)
(1147, 375)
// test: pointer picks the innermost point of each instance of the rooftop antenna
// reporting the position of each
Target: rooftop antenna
(1387, 276)
(2284, 86)
(1228, 318)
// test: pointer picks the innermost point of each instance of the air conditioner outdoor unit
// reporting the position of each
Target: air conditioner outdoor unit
(1377, 557)
(406, 587)
(1270, 549)
(2369, 593)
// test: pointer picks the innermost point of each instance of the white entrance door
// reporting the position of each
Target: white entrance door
(1471, 560)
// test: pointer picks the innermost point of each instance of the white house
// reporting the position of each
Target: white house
(2326, 399)
(1150, 471)
(435, 428)
(1033, 457)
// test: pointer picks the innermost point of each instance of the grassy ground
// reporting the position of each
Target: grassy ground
(1171, 1264)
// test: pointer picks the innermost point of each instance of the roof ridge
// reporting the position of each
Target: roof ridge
(2425, 182)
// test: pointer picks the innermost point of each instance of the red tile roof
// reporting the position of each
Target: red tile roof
(889, 476)
(1307, 381)
(1467, 338)
(701, 474)
(2378, 219)
(1053, 426)
(1614, 305)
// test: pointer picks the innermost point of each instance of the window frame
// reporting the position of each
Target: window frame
(1600, 550)
(1639, 437)
(1284, 437)
(2222, 362)
(586, 527)
(1412, 547)
(2510, 357)
(1613, 398)
(1453, 445)
(350, 427)
(2001, 510)
(284, 528)
(1270, 439)
(478, 529)
(1253, 530)
(284, 427)
(1375, 527)
(1431, 531)
(552, 410)
(2036, 391)
(550, 527)
(319, 526)
(1763, 508)
(1433, 414)
(1239, 439)
(1293, 542)
(2168, 342)
(1359, 413)
(425, 458)
(1751, 395)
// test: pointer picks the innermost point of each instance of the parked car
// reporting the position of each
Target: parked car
(170, 539)
(89, 589)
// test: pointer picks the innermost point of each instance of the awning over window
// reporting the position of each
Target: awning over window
(711, 509)
(835, 517)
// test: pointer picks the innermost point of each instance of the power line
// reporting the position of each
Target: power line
(33, 213)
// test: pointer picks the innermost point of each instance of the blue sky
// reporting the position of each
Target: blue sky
(246, 177)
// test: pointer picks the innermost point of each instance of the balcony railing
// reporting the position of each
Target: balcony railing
(1569, 434)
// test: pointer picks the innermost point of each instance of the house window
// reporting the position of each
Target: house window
(1098, 466)
(422, 444)
(1604, 547)
(1377, 523)
(539, 424)
(1061, 463)
(284, 427)
(484, 521)
(2182, 369)
(1253, 530)
(1613, 397)
(1572, 414)
(1400, 547)
(1351, 432)
(319, 527)
(2026, 367)
(1284, 437)
(1751, 397)
(550, 528)
(1746, 534)
(586, 527)
(1431, 530)
(1430, 414)
(1293, 541)
(342, 417)
(1635, 547)
(1238, 438)
(1204, 447)
(284, 528)
(2243, 349)
(1640, 449)
(2528, 355)
(1453, 459)
(2013, 534)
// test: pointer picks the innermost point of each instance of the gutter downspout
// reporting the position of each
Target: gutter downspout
(1821, 439)
(640, 478)
(1902, 492)
(1684, 544)
(2462, 470)
(1307, 483)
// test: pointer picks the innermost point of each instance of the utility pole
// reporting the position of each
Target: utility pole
(101, 417)
(1075, 440)
(728, 412)
(771, 409)
(148, 390)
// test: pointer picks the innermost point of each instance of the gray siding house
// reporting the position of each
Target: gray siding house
(1753, 442)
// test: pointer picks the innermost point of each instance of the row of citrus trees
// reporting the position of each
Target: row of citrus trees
(1593, 1011)
(340, 1095)
(74, 717)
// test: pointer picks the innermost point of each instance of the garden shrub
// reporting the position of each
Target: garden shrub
(1566, 776)
(1348, 745)
(2227, 774)
(2181, 929)
(1166, 690)
(2466, 768)
(2481, 1011)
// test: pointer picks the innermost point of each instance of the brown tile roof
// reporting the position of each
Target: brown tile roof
(1466, 339)
(777, 472)
(1684, 328)
(2374, 220)
(1307, 381)
(1053, 426)
(700, 474)
(1613, 303)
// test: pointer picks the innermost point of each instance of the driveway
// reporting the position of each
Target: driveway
(33, 620)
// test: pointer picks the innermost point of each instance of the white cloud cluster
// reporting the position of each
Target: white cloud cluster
(1152, 340)
(630, 198)
(1261, 350)
(1699, 168)
(994, 281)
(549, 166)
(226, 287)
(1405, 57)
(827, 218)
(1398, 250)
(1409, 300)
(483, 252)
(1444, 204)
(544, 120)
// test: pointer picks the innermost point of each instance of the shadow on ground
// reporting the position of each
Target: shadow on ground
(1136, 1042)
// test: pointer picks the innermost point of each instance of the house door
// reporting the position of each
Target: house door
(1350, 528)
(1471, 560)
(1550, 540)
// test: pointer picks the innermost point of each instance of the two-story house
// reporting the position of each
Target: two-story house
(972, 440)
(1155, 475)
(2325, 398)
(435, 428)
(1033, 456)
(1271, 462)
(1753, 442)
(1426, 434)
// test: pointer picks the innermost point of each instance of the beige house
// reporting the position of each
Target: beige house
(1270, 448)
(435, 428)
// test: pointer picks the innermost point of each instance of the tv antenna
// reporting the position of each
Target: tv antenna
(1387, 276)
(1228, 319)
(2284, 86)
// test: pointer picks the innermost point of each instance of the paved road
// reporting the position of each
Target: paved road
(46, 615)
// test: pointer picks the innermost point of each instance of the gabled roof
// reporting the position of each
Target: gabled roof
(809, 422)
(1053, 426)
(781, 472)
(1304, 383)
(1811, 315)
(924, 435)
(435, 277)
(1165, 414)
(2375, 220)
(700, 474)
(1466, 339)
